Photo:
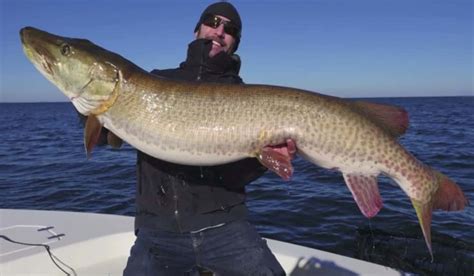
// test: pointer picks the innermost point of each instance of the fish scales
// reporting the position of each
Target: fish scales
(216, 124)
(223, 120)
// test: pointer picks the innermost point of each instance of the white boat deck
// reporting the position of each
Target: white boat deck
(97, 244)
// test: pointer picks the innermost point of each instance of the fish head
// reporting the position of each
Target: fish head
(86, 73)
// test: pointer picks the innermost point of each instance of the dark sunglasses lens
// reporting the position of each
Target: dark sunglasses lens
(214, 22)
(231, 30)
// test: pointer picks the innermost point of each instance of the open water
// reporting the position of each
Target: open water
(43, 166)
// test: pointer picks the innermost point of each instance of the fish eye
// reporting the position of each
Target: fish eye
(65, 50)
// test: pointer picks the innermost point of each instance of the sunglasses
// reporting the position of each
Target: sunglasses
(214, 21)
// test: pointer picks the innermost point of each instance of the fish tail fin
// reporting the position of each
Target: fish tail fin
(424, 213)
(448, 197)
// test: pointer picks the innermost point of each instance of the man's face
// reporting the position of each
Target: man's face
(221, 41)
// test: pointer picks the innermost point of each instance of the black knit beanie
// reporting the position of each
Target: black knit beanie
(227, 10)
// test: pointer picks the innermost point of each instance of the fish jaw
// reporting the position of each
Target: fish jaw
(75, 66)
(38, 49)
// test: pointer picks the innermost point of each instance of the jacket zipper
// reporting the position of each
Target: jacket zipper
(198, 78)
(176, 212)
(201, 63)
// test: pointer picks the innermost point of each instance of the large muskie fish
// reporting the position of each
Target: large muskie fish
(203, 124)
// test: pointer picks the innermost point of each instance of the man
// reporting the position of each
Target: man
(188, 217)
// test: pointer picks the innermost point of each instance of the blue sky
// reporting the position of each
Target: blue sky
(346, 48)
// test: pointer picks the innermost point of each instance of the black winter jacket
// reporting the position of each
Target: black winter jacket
(182, 198)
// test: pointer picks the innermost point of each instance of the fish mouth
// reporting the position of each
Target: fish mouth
(35, 45)
(26, 43)
(32, 37)
(25, 33)
(30, 34)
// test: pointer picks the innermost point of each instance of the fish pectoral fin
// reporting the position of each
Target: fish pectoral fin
(91, 134)
(424, 213)
(277, 161)
(113, 140)
(365, 190)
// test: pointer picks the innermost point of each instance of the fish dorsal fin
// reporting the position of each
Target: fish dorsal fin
(91, 133)
(392, 119)
(113, 140)
(365, 191)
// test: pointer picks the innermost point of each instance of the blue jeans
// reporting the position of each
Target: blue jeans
(235, 248)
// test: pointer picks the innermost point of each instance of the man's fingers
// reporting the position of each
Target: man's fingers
(291, 146)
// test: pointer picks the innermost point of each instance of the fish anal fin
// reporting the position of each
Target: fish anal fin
(392, 119)
(365, 190)
(424, 213)
(91, 133)
(449, 196)
(276, 161)
(113, 140)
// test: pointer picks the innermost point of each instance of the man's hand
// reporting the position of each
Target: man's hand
(287, 149)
